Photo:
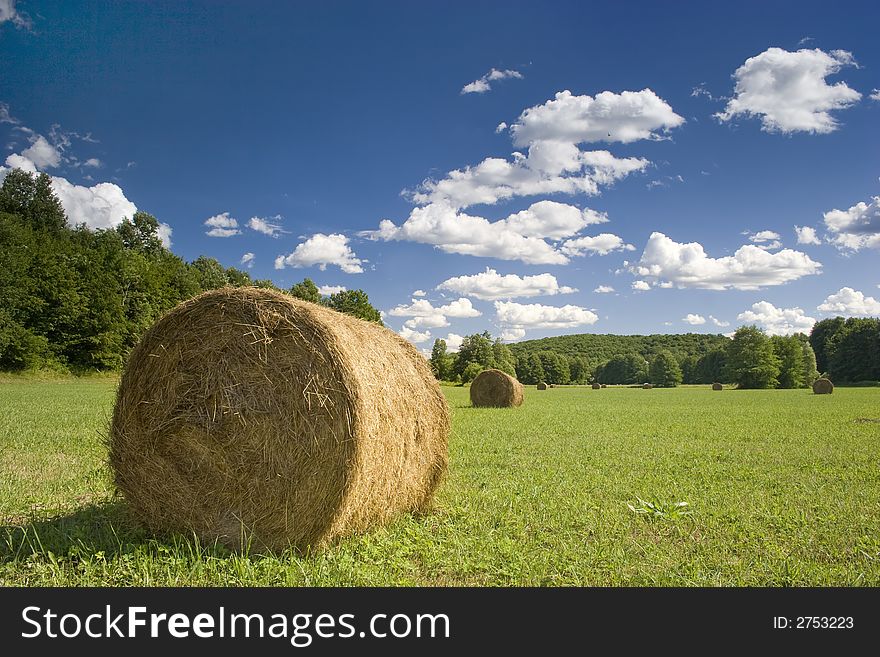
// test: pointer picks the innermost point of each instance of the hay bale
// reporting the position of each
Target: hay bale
(495, 388)
(647, 386)
(717, 386)
(823, 386)
(596, 386)
(542, 386)
(252, 418)
(552, 385)
(604, 385)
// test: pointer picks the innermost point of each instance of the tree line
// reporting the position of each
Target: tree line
(74, 299)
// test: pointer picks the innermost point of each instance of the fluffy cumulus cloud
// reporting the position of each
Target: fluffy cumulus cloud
(718, 322)
(601, 244)
(247, 260)
(850, 302)
(806, 235)
(521, 236)
(604, 289)
(484, 84)
(43, 154)
(625, 117)
(766, 239)
(875, 94)
(521, 317)
(749, 268)
(222, 225)
(422, 313)
(490, 285)
(693, 319)
(512, 334)
(789, 92)
(416, 337)
(268, 225)
(855, 228)
(327, 290)
(323, 250)
(641, 286)
(8, 12)
(777, 321)
(453, 341)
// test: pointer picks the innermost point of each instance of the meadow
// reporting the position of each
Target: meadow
(576, 487)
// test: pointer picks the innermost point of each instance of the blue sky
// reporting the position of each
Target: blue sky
(690, 134)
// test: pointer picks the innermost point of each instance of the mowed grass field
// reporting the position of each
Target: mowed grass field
(783, 488)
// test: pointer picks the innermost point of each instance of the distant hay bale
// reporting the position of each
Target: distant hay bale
(542, 386)
(717, 386)
(596, 386)
(252, 418)
(552, 385)
(647, 386)
(604, 385)
(494, 388)
(823, 386)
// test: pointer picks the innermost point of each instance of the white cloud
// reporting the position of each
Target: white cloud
(266, 226)
(93, 163)
(625, 117)
(603, 244)
(482, 85)
(806, 235)
(164, 232)
(764, 236)
(222, 225)
(453, 341)
(855, 228)
(419, 293)
(718, 322)
(490, 285)
(415, 337)
(8, 12)
(789, 92)
(247, 259)
(512, 315)
(43, 154)
(777, 321)
(512, 334)
(604, 289)
(501, 127)
(641, 286)
(327, 290)
(848, 301)
(549, 219)
(693, 320)
(323, 250)
(875, 94)
(550, 168)
(422, 312)
(749, 268)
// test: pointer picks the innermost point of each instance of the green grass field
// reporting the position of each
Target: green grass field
(783, 488)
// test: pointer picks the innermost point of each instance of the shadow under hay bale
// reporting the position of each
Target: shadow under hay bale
(252, 418)
(823, 386)
(542, 386)
(496, 389)
(717, 386)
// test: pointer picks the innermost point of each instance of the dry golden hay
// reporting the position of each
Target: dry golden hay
(647, 386)
(495, 388)
(596, 386)
(823, 386)
(252, 418)
(717, 386)
(542, 386)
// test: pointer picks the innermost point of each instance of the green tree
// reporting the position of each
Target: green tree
(688, 367)
(441, 361)
(555, 367)
(711, 367)
(209, 273)
(579, 369)
(356, 303)
(751, 362)
(790, 352)
(470, 372)
(823, 339)
(502, 358)
(623, 369)
(811, 372)
(665, 370)
(856, 353)
(306, 290)
(30, 197)
(475, 348)
(141, 233)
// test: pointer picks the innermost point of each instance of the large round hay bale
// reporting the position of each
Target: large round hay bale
(647, 386)
(596, 386)
(252, 418)
(823, 386)
(542, 386)
(495, 388)
(717, 386)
